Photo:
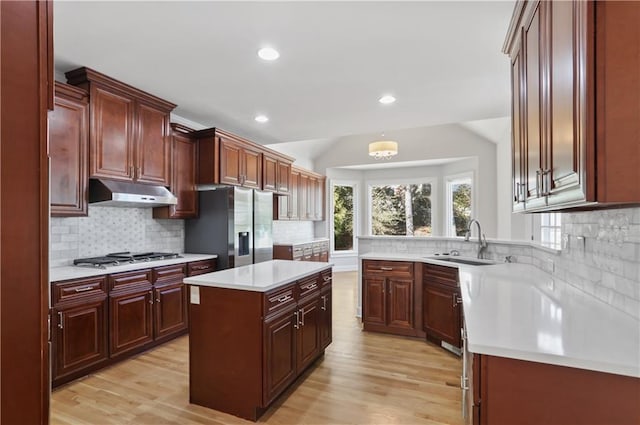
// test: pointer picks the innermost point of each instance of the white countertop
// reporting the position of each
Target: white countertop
(520, 312)
(57, 274)
(300, 241)
(260, 277)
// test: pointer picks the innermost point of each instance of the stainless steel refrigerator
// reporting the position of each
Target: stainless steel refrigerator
(235, 223)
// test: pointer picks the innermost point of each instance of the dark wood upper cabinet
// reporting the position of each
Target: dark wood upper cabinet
(276, 173)
(68, 150)
(183, 175)
(576, 117)
(240, 163)
(129, 130)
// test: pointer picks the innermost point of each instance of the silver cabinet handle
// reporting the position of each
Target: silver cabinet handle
(284, 298)
(150, 297)
(60, 320)
(85, 289)
(327, 279)
(386, 269)
(324, 302)
(310, 286)
(297, 322)
(302, 313)
(455, 299)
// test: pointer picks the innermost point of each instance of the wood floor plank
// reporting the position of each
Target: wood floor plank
(364, 378)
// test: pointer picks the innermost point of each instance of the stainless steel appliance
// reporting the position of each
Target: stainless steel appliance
(235, 223)
(114, 193)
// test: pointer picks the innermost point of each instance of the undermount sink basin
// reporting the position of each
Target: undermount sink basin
(463, 261)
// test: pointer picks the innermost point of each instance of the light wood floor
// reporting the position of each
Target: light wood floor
(364, 378)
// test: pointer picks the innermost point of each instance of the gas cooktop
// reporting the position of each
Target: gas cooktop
(121, 258)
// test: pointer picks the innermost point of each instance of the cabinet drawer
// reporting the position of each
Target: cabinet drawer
(77, 289)
(129, 280)
(279, 299)
(326, 277)
(168, 274)
(308, 286)
(441, 274)
(389, 268)
(298, 253)
(201, 267)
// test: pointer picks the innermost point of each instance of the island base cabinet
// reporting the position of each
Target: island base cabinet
(509, 391)
(280, 353)
(247, 347)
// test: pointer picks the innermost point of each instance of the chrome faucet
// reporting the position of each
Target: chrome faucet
(482, 240)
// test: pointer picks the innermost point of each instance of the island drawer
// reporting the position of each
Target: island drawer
(441, 274)
(308, 286)
(326, 277)
(79, 289)
(279, 299)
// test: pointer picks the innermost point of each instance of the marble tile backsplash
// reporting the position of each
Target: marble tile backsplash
(289, 231)
(600, 255)
(110, 229)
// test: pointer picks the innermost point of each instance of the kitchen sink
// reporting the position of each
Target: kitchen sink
(463, 261)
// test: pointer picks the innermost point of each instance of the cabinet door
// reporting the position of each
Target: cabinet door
(80, 339)
(294, 197)
(442, 313)
(111, 135)
(283, 177)
(533, 104)
(374, 303)
(517, 139)
(131, 321)
(326, 327)
(400, 302)
(68, 150)
(279, 357)
(312, 188)
(303, 197)
(230, 171)
(269, 173)
(183, 178)
(153, 152)
(252, 168)
(566, 142)
(170, 314)
(308, 333)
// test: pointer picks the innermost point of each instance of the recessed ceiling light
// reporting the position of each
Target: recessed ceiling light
(268, 54)
(261, 118)
(387, 99)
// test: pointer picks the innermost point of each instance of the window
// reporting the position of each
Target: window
(343, 196)
(459, 204)
(550, 230)
(400, 209)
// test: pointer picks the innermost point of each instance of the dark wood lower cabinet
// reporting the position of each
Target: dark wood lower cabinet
(170, 313)
(442, 313)
(80, 337)
(326, 323)
(131, 321)
(374, 306)
(508, 391)
(101, 320)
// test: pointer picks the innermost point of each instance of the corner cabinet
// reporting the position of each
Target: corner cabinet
(391, 301)
(442, 304)
(129, 130)
(69, 150)
(574, 104)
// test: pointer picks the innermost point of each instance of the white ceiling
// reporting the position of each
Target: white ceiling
(381, 164)
(441, 60)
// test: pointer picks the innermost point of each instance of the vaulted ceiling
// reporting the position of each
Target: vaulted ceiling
(441, 60)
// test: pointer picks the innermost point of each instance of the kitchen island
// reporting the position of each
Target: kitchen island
(254, 330)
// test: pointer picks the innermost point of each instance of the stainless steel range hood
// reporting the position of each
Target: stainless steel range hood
(124, 194)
